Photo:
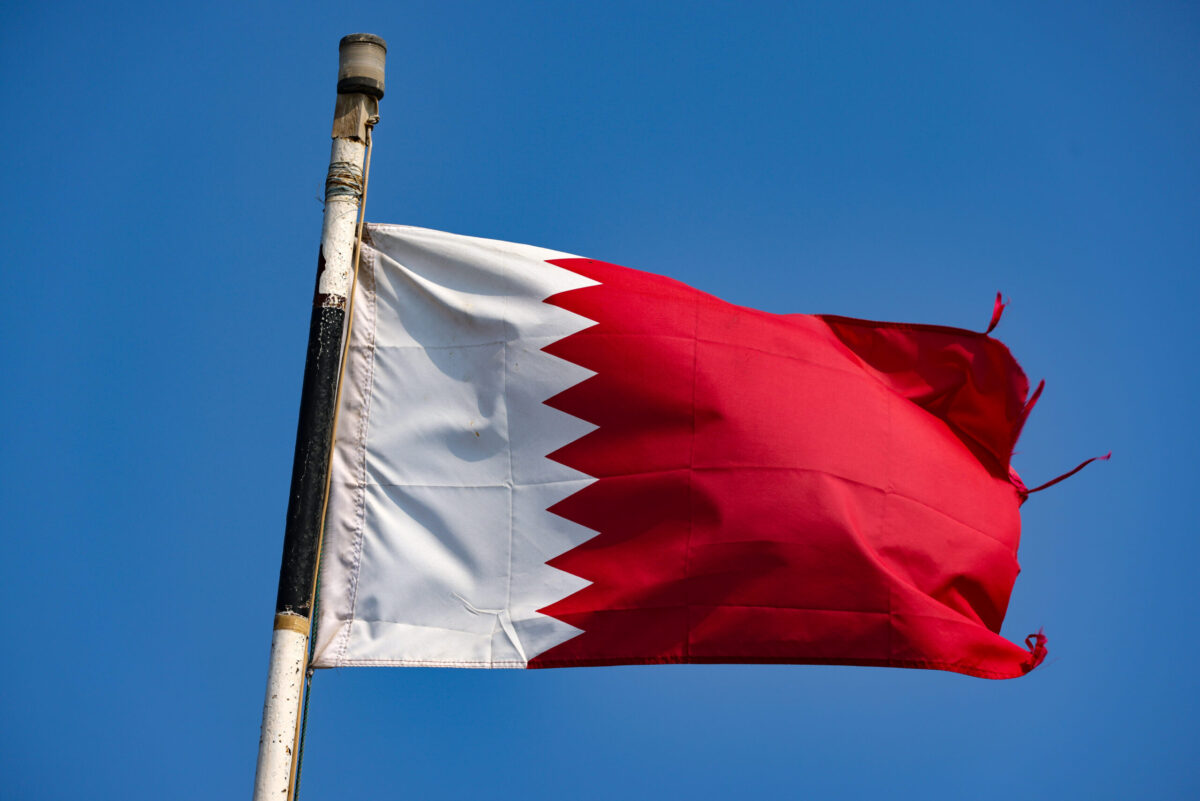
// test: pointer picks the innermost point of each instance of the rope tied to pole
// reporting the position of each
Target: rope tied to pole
(344, 179)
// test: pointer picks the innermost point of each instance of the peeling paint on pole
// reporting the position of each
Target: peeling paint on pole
(343, 196)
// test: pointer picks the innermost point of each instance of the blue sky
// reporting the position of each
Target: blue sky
(880, 160)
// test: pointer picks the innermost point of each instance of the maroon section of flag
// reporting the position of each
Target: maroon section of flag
(786, 488)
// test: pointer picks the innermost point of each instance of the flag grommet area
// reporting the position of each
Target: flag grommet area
(549, 461)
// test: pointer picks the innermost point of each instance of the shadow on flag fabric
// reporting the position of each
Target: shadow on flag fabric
(549, 461)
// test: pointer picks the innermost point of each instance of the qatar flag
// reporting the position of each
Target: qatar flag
(548, 461)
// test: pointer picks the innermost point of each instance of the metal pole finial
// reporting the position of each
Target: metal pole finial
(361, 58)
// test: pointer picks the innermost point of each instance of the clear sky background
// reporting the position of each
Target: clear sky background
(897, 161)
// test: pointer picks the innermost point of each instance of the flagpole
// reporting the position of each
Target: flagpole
(361, 59)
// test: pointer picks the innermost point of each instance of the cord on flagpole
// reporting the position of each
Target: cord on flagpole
(316, 599)
(360, 86)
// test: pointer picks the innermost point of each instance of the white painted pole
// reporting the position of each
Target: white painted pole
(285, 689)
(360, 86)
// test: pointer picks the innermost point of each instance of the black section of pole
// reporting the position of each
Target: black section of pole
(310, 465)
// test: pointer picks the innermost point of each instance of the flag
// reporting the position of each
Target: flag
(548, 461)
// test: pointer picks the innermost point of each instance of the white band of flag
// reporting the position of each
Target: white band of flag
(437, 533)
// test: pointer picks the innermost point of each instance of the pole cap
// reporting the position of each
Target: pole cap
(361, 58)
